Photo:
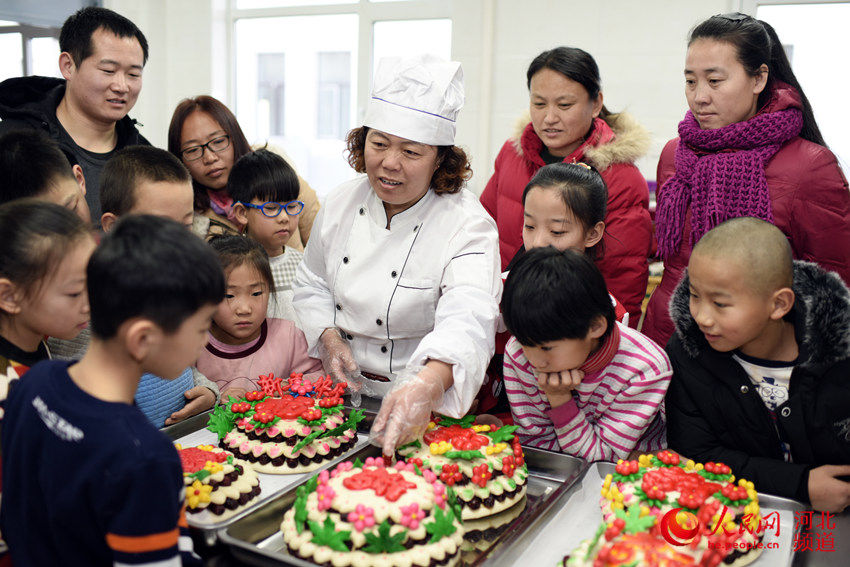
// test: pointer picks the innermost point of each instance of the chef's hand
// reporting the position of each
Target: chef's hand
(406, 410)
(198, 399)
(826, 492)
(338, 361)
(558, 386)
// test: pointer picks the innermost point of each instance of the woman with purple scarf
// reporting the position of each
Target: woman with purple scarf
(749, 146)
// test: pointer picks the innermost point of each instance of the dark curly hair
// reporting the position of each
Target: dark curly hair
(453, 170)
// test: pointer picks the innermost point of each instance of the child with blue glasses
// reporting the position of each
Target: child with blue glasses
(264, 189)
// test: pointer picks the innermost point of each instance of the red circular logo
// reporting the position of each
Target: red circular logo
(679, 527)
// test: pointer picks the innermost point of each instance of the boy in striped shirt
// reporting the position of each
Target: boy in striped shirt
(578, 381)
(88, 480)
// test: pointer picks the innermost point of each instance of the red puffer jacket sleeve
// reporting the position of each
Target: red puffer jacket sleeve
(628, 237)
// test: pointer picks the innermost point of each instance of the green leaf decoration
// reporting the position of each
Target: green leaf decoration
(311, 484)
(465, 421)
(617, 477)
(313, 423)
(647, 500)
(355, 417)
(300, 508)
(384, 542)
(453, 503)
(442, 526)
(331, 410)
(714, 477)
(232, 400)
(503, 434)
(465, 455)
(200, 475)
(358, 464)
(229, 459)
(327, 535)
(634, 522)
(595, 540)
(221, 421)
(729, 502)
(416, 469)
(261, 426)
(415, 444)
(306, 441)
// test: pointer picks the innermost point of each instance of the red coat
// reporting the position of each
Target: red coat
(811, 205)
(628, 231)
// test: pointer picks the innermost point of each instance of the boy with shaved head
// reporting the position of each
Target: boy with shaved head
(761, 362)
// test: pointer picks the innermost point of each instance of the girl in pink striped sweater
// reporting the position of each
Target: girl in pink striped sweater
(578, 381)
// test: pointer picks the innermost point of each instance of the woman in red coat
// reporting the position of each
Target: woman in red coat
(570, 123)
(749, 146)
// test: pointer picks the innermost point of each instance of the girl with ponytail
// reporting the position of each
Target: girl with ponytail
(748, 147)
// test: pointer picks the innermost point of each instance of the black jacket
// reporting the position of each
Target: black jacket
(715, 414)
(30, 102)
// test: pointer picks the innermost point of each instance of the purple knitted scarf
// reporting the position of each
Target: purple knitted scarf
(720, 175)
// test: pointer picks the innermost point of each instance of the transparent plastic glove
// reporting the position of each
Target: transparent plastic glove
(406, 410)
(338, 361)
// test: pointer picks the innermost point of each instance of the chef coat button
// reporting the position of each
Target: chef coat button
(785, 412)
(383, 349)
(379, 322)
(338, 307)
(415, 228)
(362, 211)
(394, 273)
(349, 337)
(345, 260)
(745, 389)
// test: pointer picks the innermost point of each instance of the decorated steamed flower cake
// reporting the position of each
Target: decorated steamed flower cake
(287, 427)
(478, 535)
(215, 481)
(371, 515)
(483, 463)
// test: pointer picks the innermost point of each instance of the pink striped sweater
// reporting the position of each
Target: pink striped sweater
(617, 408)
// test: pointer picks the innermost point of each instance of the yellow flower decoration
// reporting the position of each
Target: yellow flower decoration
(645, 461)
(480, 428)
(496, 449)
(178, 446)
(644, 511)
(440, 447)
(431, 425)
(198, 493)
(206, 447)
(213, 467)
(607, 482)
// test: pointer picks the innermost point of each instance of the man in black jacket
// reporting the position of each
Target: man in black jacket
(761, 361)
(103, 55)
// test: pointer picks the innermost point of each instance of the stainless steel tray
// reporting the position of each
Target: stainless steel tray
(577, 515)
(256, 538)
(192, 432)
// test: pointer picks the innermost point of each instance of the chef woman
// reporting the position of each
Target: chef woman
(399, 287)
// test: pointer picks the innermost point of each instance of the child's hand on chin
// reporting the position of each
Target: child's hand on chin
(234, 392)
(828, 493)
(558, 386)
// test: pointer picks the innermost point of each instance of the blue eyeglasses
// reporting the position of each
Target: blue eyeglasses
(273, 208)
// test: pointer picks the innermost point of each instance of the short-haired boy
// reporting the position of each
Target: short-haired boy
(761, 358)
(264, 189)
(148, 180)
(32, 165)
(87, 479)
(578, 381)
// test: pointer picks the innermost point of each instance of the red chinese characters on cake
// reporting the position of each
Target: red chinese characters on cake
(194, 459)
(461, 438)
(385, 484)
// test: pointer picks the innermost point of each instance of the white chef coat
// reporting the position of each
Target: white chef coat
(426, 288)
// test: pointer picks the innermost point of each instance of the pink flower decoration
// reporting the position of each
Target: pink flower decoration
(345, 466)
(410, 516)
(374, 462)
(402, 466)
(440, 499)
(325, 496)
(323, 477)
(428, 475)
(439, 488)
(363, 517)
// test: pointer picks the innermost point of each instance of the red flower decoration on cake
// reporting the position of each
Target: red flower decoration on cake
(508, 466)
(461, 438)
(481, 474)
(311, 414)
(264, 416)
(330, 402)
(254, 396)
(627, 468)
(451, 474)
(692, 500)
(615, 528)
(668, 457)
(651, 488)
(240, 407)
(733, 492)
(717, 468)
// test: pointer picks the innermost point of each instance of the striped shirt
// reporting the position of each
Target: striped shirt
(283, 271)
(617, 408)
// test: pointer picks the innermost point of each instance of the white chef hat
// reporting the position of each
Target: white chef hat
(417, 98)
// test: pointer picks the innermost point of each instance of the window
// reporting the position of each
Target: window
(302, 71)
(28, 50)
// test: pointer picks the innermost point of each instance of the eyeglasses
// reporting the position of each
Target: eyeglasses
(273, 208)
(215, 145)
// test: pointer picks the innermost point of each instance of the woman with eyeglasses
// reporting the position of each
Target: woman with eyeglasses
(206, 136)
(748, 146)
(399, 285)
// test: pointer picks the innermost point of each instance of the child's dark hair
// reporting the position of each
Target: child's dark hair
(757, 43)
(234, 251)
(581, 188)
(150, 267)
(75, 37)
(34, 238)
(262, 175)
(551, 295)
(30, 163)
(123, 172)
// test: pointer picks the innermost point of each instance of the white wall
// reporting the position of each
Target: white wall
(639, 46)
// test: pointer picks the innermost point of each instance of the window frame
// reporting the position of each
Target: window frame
(28, 33)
